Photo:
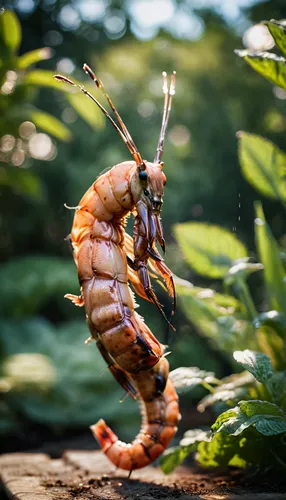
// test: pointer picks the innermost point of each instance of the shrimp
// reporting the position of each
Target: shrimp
(108, 260)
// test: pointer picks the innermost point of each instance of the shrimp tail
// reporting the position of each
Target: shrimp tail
(160, 415)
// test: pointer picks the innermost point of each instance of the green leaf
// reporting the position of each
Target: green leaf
(40, 278)
(89, 112)
(269, 65)
(176, 455)
(269, 255)
(274, 320)
(42, 78)
(213, 315)
(34, 56)
(267, 418)
(210, 250)
(187, 378)
(270, 340)
(256, 363)
(30, 371)
(232, 388)
(263, 164)
(222, 450)
(78, 371)
(241, 271)
(50, 124)
(277, 387)
(22, 181)
(10, 30)
(277, 30)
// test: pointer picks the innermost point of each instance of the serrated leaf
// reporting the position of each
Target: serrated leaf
(271, 427)
(210, 250)
(277, 31)
(269, 255)
(187, 378)
(32, 57)
(263, 164)
(256, 363)
(249, 413)
(50, 124)
(269, 65)
(10, 30)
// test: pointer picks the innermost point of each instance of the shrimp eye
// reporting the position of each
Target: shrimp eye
(146, 192)
(143, 175)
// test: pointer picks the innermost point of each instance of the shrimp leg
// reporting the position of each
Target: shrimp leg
(120, 375)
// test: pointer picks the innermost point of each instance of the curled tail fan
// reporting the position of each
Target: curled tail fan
(160, 415)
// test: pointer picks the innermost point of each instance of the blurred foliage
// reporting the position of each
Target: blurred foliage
(204, 185)
(252, 430)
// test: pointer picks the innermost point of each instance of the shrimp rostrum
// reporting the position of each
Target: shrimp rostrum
(108, 260)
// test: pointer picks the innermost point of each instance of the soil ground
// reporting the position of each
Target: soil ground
(88, 475)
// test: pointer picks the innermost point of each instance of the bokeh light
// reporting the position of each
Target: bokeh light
(41, 147)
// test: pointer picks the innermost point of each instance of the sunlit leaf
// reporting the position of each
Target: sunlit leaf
(85, 108)
(10, 30)
(269, 255)
(214, 316)
(269, 65)
(241, 271)
(41, 77)
(176, 455)
(210, 250)
(263, 165)
(224, 450)
(78, 374)
(232, 388)
(186, 378)
(29, 58)
(28, 371)
(267, 417)
(256, 363)
(88, 111)
(277, 30)
(50, 124)
(274, 320)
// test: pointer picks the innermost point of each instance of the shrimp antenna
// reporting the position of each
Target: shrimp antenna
(168, 92)
(130, 145)
(124, 129)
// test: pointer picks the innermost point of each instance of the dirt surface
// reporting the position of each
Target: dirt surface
(88, 475)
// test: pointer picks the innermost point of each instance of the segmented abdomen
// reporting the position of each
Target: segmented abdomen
(122, 335)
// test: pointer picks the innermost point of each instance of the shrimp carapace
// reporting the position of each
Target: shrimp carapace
(108, 261)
